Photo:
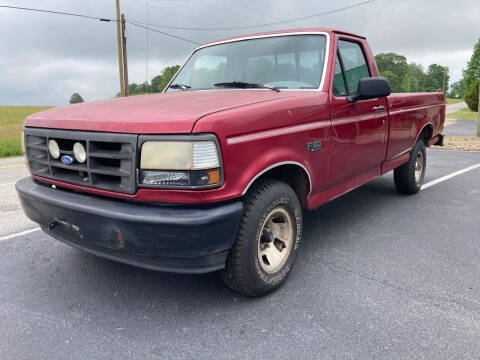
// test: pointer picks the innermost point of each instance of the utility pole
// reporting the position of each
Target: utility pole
(125, 63)
(478, 120)
(146, 48)
(120, 52)
(444, 75)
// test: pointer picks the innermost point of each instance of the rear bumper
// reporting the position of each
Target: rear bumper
(185, 239)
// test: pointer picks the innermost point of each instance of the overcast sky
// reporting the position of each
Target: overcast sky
(45, 58)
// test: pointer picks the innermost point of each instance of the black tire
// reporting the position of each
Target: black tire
(406, 176)
(245, 267)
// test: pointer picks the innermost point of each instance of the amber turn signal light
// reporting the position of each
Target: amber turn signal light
(214, 177)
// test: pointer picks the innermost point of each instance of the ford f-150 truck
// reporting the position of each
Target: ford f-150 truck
(215, 172)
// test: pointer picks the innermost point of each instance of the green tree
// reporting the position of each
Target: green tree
(76, 99)
(414, 86)
(141, 89)
(471, 98)
(131, 88)
(411, 77)
(157, 83)
(407, 84)
(436, 76)
(395, 63)
(472, 72)
(395, 81)
(168, 73)
(160, 81)
(417, 75)
(457, 89)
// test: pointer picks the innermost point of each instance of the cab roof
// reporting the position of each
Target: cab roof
(288, 31)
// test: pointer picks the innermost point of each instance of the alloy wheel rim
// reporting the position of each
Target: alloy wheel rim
(275, 240)
(419, 168)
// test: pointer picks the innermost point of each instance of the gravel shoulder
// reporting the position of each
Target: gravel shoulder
(460, 143)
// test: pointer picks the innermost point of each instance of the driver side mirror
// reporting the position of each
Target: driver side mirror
(371, 88)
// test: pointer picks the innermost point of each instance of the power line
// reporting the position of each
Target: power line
(227, 11)
(146, 49)
(261, 25)
(165, 11)
(332, 11)
(59, 13)
(239, 4)
(161, 32)
(259, 12)
(148, 27)
(98, 18)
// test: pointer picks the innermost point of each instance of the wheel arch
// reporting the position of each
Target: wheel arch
(292, 172)
(425, 133)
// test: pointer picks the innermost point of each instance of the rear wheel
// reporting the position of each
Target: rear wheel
(267, 241)
(409, 176)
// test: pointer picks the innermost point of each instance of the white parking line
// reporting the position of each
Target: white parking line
(446, 177)
(3, 238)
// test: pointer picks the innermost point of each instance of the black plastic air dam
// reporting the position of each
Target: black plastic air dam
(174, 238)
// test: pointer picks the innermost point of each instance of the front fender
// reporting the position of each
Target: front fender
(253, 164)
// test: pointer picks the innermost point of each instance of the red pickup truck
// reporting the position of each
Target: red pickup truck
(214, 173)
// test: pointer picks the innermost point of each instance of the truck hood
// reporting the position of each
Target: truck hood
(173, 112)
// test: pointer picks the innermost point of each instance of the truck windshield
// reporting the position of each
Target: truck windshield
(281, 62)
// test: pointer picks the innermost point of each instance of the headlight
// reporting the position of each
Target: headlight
(180, 164)
(179, 155)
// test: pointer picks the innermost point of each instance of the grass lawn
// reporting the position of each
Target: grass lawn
(465, 114)
(11, 119)
(453, 101)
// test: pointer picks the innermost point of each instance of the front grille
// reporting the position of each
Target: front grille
(110, 164)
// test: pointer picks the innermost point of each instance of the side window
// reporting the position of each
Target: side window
(339, 88)
(354, 64)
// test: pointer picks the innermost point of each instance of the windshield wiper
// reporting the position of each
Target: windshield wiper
(245, 85)
(180, 86)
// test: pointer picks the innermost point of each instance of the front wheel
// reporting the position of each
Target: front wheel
(409, 176)
(268, 239)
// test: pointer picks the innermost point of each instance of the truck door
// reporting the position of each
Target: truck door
(358, 129)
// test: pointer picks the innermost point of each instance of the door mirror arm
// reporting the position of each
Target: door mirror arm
(353, 98)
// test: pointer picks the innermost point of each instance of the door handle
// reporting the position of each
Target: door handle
(378, 108)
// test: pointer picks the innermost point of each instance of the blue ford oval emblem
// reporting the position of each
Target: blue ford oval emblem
(67, 160)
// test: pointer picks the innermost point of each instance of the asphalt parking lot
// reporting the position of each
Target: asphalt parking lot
(454, 127)
(380, 275)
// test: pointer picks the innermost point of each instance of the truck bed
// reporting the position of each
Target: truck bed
(409, 112)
